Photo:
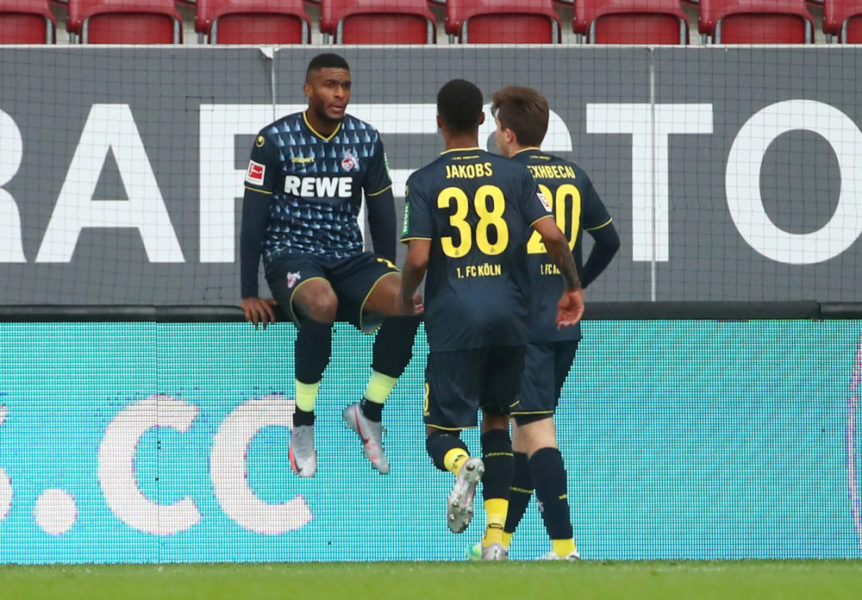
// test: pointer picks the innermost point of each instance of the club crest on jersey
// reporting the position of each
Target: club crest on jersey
(544, 201)
(350, 161)
(292, 278)
(255, 173)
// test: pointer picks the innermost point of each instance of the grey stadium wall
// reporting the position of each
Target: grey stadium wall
(733, 174)
(714, 405)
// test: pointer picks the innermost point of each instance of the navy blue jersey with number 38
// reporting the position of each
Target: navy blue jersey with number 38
(477, 209)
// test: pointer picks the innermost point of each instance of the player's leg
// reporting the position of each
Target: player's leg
(520, 491)
(549, 477)
(451, 403)
(564, 358)
(522, 488)
(300, 287)
(384, 297)
(535, 402)
(538, 438)
(501, 382)
(392, 352)
(496, 484)
(317, 303)
(393, 349)
(357, 283)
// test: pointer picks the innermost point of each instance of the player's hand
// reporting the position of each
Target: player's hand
(412, 307)
(418, 304)
(570, 308)
(259, 311)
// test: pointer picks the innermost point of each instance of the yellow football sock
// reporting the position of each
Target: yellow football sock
(563, 548)
(507, 539)
(306, 394)
(454, 458)
(379, 387)
(495, 510)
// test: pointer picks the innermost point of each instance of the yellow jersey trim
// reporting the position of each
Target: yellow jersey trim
(377, 321)
(380, 192)
(405, 240)
(527, 150)
(605, 224)
(540, 218)
(449, 428)
(251, 189)
(459, 150)
(315, 132)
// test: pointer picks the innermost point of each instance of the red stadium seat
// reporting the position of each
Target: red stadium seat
(26, 22)
(631, 21)
(125, 21)
(503, 21)
(253, 21)
(843, 19)
(756, 21)
(378, 21)
(73, 18)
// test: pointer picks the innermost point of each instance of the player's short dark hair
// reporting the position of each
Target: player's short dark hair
(524, 111)
(327, 60)
(459, 104)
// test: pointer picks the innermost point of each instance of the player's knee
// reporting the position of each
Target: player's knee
(535, 432)
(493, 419)
(386, 296)
(322, 307)
(526, 421)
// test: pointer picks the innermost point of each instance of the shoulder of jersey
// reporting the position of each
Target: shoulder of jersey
(516, 162)
(553, 159)
(351, 122)
(285, 123)
(426, 170)
(539, 155)
(281, 121)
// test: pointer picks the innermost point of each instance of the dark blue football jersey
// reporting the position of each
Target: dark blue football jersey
(577, 208)
(477, 209)
(316, 184)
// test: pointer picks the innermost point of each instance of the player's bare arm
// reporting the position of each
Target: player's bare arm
(570, 308)
(412, 274)
(558, 249)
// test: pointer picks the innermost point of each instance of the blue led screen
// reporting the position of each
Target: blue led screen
(166, 442)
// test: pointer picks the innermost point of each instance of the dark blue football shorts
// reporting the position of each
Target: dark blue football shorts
(352, 279)
(460, 382)
(546, 366)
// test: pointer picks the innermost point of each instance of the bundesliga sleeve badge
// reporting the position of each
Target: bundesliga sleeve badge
(544, 201)
(255, 173)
